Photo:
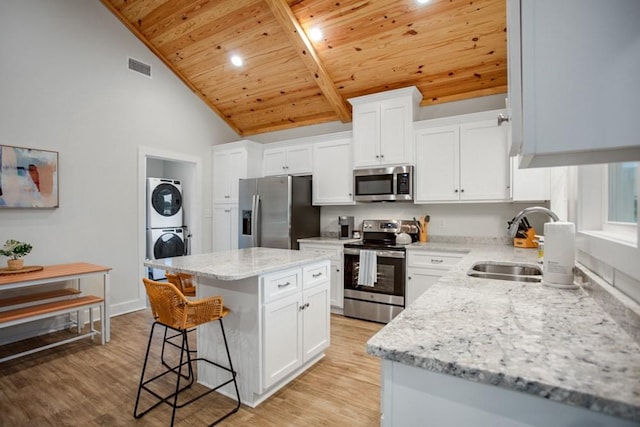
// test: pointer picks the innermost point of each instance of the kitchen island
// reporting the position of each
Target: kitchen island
(279, 321)
(485, 352)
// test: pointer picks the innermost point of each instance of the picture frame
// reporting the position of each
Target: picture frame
(28, 178)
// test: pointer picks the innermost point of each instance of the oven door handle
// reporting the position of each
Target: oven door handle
(381, 254)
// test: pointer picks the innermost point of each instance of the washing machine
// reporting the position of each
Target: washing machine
(164, 203)
(165, 243)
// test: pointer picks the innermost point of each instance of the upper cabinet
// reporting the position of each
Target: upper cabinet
(574, 94)
(333, 171)
(383, 127)
(232, 162)
(462, 162)
(294, 159)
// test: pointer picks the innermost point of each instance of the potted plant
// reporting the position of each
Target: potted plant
(15, 250)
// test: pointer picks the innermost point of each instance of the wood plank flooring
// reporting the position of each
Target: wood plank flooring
(85, 384)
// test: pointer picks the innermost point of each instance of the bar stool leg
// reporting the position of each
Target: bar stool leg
(233, 372)
(144, 368)
(184, 347)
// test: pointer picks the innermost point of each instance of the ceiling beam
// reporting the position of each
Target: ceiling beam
(307, 53)
(169, 64)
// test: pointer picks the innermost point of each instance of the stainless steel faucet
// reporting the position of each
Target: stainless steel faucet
(513, 224)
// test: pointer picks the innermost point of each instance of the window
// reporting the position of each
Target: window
(622, 193)
(620, 201)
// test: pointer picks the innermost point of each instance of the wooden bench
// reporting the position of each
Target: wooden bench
(31, 313)
(31, 298)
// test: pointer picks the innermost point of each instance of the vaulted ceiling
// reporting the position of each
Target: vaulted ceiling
(449, 49)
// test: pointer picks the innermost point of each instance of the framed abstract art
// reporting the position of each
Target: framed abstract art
(28, 178)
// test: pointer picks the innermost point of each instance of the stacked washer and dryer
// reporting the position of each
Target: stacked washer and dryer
(166, 232)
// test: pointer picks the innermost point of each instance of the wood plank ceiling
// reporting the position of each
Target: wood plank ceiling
(449, 49)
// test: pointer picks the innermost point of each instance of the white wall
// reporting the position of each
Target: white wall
(467, 106)
(65, 87)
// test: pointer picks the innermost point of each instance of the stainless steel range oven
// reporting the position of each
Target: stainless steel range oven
(381, 299)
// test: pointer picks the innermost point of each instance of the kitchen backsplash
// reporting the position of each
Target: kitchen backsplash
(462, 220)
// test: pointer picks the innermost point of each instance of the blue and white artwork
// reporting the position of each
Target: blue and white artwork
(28, 178)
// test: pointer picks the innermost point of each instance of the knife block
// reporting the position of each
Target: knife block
(526, 242)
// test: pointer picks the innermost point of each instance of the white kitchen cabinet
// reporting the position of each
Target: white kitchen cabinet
(292, 160)
(296, 322)
(573, 81)
(231, 162)
(225, 227)
(529, 184)
(333, 172)
(383, 127)
(462, 162)
(283, 338)
(424, 268)
(335, 251)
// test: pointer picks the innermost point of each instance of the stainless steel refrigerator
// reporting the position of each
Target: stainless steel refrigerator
(276, 211)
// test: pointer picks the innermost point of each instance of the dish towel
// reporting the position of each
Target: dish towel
(367, 275)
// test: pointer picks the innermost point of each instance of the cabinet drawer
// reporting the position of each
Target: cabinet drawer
(432, 259)
(316, 274)
(281, 284)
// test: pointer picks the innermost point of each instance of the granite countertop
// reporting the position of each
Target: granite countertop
(327, 240)
(556, 344)
(237, 264)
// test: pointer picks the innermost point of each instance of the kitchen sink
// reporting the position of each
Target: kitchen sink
(506, 271)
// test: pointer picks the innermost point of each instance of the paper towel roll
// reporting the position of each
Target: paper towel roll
(559, 253)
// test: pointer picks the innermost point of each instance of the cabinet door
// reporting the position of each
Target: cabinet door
(529, 184)
(419, 280)
(437, 164)
(275, 161)
(366, 135)
(337, 285)
(396, 131)
(299, 160)
(484, 162)
(315, 322)
(332, 173)
(282, 345)
(568, 48)
(225, 227)
(228, 168)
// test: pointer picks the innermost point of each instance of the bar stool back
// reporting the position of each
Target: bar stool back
(171, 309)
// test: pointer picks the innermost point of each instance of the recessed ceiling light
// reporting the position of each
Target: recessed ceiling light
(236, 60)
(315, 34)
(423, 1)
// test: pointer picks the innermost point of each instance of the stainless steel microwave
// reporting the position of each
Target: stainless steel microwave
(391, 184)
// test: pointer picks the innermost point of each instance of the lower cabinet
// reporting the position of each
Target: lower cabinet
(424, 268)
(225, 227)
(295, 322)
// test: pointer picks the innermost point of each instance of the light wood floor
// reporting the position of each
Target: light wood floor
(85, 384)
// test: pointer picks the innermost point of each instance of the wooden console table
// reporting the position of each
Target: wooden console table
(63, 272)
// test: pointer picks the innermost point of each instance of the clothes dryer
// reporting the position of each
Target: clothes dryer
(164, 203)
(165, 243)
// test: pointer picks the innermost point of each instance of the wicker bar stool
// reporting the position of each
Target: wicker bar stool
(171, 309)
(182, 281)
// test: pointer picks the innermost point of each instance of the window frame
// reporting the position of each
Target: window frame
(598, 245)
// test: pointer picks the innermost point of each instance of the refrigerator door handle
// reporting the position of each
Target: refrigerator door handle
(255, 220)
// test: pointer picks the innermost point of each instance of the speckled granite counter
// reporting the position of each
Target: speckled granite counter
(327, 240)
(556, 344)
(236, 264)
